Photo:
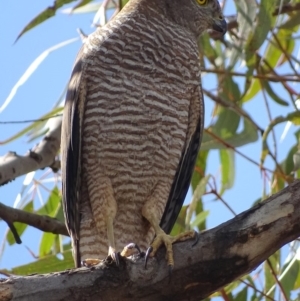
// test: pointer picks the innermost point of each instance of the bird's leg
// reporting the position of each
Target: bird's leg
(111, 240)
(150, 212)
(104, 208)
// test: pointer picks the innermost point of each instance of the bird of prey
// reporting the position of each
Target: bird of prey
(132, 127)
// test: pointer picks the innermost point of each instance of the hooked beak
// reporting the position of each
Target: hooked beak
(220, 26)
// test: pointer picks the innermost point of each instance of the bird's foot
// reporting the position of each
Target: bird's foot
(90, 262)
(131, 249)
(163, 238)
(113, 257)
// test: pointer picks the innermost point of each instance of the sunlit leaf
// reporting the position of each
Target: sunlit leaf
(251, 90)
(46, 243)
(227, 169)
(274, 53)
(52, 205)
(81, 3)
(48, 13)
(199, 219)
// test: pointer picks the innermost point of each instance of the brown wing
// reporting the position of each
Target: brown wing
(183, 174)
(70, 153)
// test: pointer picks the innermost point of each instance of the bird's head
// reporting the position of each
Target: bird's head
(198, 15)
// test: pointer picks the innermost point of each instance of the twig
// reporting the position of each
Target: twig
(13, 231)
(41, 222)
(273, 78)
(257, 290)
(277, 281)
(30, 120)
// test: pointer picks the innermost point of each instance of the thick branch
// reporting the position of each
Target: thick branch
(41, 222)
(41, 156)
(222, 255)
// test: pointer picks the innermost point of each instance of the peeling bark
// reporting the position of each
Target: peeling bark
(221, 255)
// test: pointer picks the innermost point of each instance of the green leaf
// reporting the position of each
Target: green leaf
(230, 90)
(123, 3)
(227, 123)
(48, 264)
(251, 90)
(242, 295)
(297, 281)
(179, 226)
(288, 281)
(274, 53)
(48, 13)
(292, 22)
(259, 33)
(30, 127)
(46, 244)
(20, 227)
(51, 208)
(199, 219)
(269, 278)
(200, 168)
(81, 4)
(206, 49)
(248, 135)
(199, 191)
(293, 117)
(246, 13)
(272, 94)
(227, 169)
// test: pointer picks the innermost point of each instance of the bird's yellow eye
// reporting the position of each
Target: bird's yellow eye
(201, 2)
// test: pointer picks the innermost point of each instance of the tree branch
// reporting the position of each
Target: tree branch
(221, 255)
(42, 222)
(41, 156)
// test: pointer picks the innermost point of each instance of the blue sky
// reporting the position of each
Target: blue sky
(38, 95)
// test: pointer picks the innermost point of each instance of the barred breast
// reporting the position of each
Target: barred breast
(140, 74)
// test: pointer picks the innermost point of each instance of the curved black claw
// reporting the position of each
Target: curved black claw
(134, 246)
(197, 236)
(148, 252)
(128, 250)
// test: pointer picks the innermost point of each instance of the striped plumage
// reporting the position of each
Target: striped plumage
(132, 124)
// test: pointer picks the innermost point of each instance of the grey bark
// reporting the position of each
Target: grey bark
(221, 255)
(42, 155)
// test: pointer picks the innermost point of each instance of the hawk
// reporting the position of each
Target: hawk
(132, 126)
